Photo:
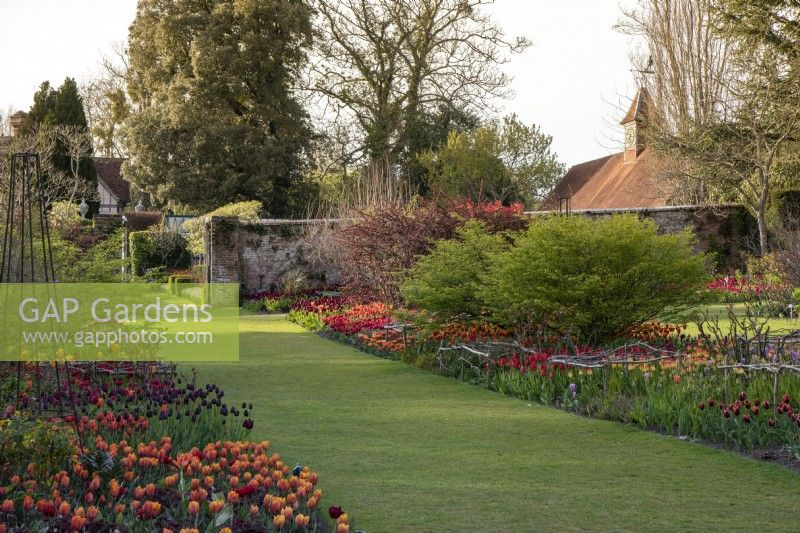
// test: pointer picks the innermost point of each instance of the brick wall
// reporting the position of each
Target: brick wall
(258, 255)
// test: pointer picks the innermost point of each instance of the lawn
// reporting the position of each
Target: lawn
(403, 449)
(777, 325)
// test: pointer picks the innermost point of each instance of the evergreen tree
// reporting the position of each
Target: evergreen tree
(218, 122)
(61, 107)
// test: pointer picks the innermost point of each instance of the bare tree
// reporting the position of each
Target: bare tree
(106, 103)
(57, 184)
(387, 62)
(751, 147)
(684, 64)
(724, 114)
(5, 121)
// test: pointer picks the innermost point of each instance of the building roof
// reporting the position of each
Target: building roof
(638, 108)
(610, 183)
(109, 171)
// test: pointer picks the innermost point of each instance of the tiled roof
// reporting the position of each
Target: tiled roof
(611, 183)
(109, 170)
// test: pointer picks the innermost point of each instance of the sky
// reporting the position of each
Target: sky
(574, 82)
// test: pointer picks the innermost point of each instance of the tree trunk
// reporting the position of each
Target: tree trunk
(761, 219)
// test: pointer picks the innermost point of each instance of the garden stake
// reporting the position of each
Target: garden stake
(775, 379)
(725, 381)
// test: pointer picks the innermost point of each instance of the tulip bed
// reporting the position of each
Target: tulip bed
(145, 453)
(685, 396)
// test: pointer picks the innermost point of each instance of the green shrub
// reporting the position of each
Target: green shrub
(253, 306)
(195, 228)
(152, 249)
(592, 279)
(82, 256)
(278, 304)
(446, 282)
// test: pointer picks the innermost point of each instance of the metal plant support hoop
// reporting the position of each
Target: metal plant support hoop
(27, 255)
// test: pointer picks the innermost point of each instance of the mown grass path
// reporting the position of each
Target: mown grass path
(402, 449)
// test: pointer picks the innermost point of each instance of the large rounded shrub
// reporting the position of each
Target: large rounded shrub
(446, 281)
(593, 278)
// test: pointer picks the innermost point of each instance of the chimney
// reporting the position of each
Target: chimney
(17, 121)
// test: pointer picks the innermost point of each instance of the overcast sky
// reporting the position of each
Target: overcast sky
(572, 82)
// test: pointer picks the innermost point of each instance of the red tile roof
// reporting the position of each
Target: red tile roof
(109, 170)
(610, 183)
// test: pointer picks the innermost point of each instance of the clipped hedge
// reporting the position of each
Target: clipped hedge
(246, 212)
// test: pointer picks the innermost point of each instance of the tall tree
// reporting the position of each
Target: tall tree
(107, 105)
(684, 61)
(68, 185)
(505, 160)
(219, 121)
(54, 108)
(392, 64)
(733, 124)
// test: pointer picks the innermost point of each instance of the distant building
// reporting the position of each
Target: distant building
(17, 121)
(113, 191)
(624, 180)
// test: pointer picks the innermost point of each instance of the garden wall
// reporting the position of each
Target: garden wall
(722, 231)
(257, 255)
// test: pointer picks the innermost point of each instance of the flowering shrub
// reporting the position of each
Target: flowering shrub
(736, 285)
(494, 214)
(379, 246)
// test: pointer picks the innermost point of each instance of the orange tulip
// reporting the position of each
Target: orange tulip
(279, 521)
(194, 507)
(8, 506)
(64, 508)
(77, 522)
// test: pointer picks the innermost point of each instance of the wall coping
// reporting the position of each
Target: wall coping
(281, 221)
(661, 209)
